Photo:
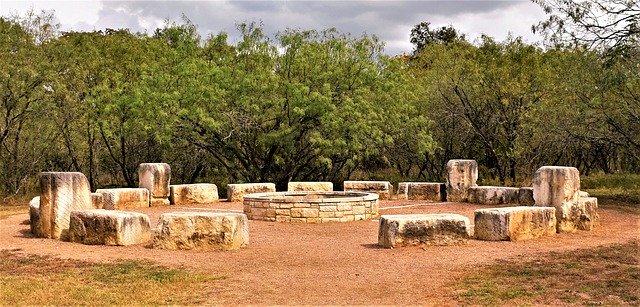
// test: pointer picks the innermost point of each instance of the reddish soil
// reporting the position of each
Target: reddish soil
(333, 263)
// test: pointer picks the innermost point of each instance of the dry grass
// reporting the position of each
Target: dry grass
(607, 275)
(36, 280)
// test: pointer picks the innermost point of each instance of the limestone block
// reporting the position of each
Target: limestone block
(559, 187)
(202, 230)
(417, 229)
(488, 195)
(236, 192)
(403, 191)
(97, 200)
(588, 213)
(158, 202)
(383, 188)
(108, 227)
(310, 186)
(432, 191)
(198, 193)
(61, 193)
(525, 196)
(34, 217)
(127, 198)
(514, 223)
(155, 177)
(461, 175)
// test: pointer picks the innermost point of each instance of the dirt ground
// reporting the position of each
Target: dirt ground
(333, 263)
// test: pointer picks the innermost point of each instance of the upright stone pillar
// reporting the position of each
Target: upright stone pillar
(462, 175)
(61, 193)
(155, 177)
(559, 187)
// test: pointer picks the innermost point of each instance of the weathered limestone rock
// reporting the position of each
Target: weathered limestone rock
(155, 177)
(61, 193)
(462, 175)
(202, 230)
(34, 217)
(127, 198)
(525, 196)
(107, 227)
(383, 188)
(97, 200)
(514, 223)
(236, 192)
(431, 191)
(197, 193)
(403, 190)
(417, 229)
(588, 213)
(559, 187)
(488, 195)
(310, 186)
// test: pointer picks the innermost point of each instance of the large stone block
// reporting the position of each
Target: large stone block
(403, 191)
(559, 187)
(127, 198)
(431, 191)
(310, 186)
(34, 217)
(487, 195)
(202, 230)
(514, 223)
(108, 227)
(525, 196)
(61, 193)
(427, 229)
(155, 177)
(97, 200)
(383, 188)
(236, 192)
(588, 213)
(461, 175)
(197, 193)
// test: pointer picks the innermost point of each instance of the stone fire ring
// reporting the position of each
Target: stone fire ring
(311, 207)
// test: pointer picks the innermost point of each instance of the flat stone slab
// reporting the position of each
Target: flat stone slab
(202, 230)
(383, 188)
(237, 191)
(108, 227)
(525, 196)
(489, 195)
(309, 186)
(514, 223)
(155, 177)
(197, 193)
(126, 198)
(61, 193)
(461, 175)
(429, 191)
(423, 229)
(559, 187)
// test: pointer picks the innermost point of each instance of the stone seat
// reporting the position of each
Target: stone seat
(202, 230)
(237, 191)
(126, 198)
(383, 188)
(427, 229)
(514, 223)
(430, 191)
(309, 186)
(108, 227)
(197, 193)
(489, 195)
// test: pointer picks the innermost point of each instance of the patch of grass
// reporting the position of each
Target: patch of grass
(36, 280)
(619, 187)
(7, 210)
(606, 275)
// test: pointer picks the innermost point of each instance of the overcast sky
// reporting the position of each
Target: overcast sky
(390, 20)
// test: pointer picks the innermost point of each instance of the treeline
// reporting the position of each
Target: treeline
(304, 105)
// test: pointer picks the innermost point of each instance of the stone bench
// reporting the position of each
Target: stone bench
(514, 223)
(197, 193)
(559, 187)
(310, 186)
(461, 175)
(237, 191)
(383, 188)
(108, 227)
(525, 196)
(430, 191)
(155, 177)
(427, 229)
(488, 195)
(202, 230)
(126, 198)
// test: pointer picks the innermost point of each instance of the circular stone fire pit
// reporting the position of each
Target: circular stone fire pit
(311, 207)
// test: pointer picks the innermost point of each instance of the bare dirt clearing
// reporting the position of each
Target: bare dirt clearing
(332, 263)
